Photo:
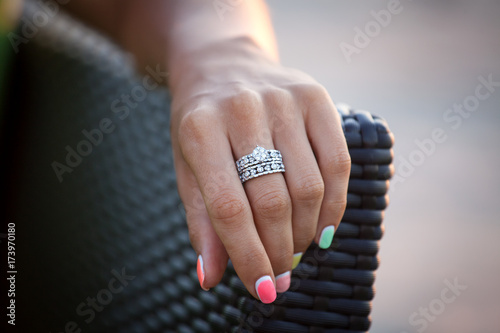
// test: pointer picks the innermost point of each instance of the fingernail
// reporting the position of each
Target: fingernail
(201, 272)
(283, 282)
(296, 259)
(325, 240)
(265, 289)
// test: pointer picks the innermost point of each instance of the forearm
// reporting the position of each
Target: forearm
(198, 34)
(194, 24)
(168, 33)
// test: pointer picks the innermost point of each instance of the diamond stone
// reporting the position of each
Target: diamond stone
(274, 166)
(274, 154)
(254, 172)
(247, 173)
(268, 168)
(245, 160)
(259, 153)
(260, 169)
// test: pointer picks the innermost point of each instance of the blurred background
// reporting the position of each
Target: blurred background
(443, 220)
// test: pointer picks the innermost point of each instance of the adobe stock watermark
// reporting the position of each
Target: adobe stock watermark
(103, 297)
(223, 6)
(121, 107)
(420, 319)
(453, 117)
(371, 30)
(45, 10)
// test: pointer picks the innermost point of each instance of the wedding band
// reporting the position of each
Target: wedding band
(260, 162)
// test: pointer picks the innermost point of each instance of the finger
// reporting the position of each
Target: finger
(208, 153)
(212, 256)
(271, 207)
(329, 145)
(268, 195)
(305, 185)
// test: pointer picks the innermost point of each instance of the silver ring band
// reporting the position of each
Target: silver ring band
(260, 162)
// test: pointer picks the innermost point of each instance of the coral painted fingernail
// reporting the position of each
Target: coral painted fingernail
(283, 282)
(265, 289)
(325, 240)
(296, 259)
(201, 271)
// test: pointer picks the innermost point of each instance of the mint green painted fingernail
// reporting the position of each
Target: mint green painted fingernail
(325, 240)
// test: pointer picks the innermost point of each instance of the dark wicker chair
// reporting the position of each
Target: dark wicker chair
(117, 211)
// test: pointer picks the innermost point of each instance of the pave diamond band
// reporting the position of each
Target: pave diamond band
(261, 169)
(260, 162)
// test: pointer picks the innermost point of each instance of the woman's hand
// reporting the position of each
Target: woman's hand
(229, 97)
(230, 94)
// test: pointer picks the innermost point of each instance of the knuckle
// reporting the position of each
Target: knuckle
(194, 127)
(343, 161)
(278, 98)
(312, 91)
(281, 257)
(339, 163)
(283, 112)
(250, 258)
(336, 205)
(245, 103)
(274, 203)
(304, 238)
(227, 207)
(310, 189)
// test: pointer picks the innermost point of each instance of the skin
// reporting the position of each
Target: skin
(230, 93)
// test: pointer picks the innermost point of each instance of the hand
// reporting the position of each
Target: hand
(228, 98)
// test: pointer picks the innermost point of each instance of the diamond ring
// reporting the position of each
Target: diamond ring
(260, 162)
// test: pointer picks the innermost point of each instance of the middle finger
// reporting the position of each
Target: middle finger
(268, 195)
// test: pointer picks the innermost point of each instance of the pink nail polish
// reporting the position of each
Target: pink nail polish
(201, 271)
(265, 289)
(283, 282)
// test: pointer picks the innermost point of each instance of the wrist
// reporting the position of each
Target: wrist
(215, 60)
